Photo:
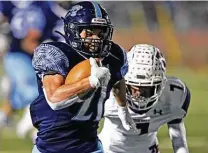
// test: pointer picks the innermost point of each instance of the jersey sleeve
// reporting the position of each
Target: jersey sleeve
(118, 61)
(187, 100)
(184, 106)
(124, 67)
(177, 133)
(49, 59)
(180, 98)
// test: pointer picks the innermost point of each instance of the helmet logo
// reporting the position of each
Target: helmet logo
(74, 9)
(99, 20)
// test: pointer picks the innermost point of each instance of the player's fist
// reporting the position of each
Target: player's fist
(99, 75)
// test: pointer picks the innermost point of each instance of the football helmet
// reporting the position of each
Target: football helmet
(146, 73)
(88, 15)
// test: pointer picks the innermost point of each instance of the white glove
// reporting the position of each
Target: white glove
(99, 75)
(126, 119)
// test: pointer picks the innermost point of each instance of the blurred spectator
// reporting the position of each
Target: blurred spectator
(24, 29)
(197, 13)
(30, 23)
(150, 15)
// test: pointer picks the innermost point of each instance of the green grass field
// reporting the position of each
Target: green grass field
(196, 121)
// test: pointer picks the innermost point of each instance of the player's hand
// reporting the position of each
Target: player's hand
(126, 119)
(99, 75)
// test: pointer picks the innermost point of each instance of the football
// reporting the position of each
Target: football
(79, 72)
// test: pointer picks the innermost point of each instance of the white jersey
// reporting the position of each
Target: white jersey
(170, 106)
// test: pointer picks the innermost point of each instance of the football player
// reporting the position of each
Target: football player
(153, 99)
(65, 121)
(52, 12)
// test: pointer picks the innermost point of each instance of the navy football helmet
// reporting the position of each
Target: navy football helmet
(88, 15)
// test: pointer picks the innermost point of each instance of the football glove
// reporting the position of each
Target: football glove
(99, 75)
(126, 119)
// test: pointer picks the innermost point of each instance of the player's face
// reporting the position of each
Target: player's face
(91, 36)
(141, 91)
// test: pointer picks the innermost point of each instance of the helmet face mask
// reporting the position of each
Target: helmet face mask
(91, 44)
(147, 97)
(88, 16)
(145, 79)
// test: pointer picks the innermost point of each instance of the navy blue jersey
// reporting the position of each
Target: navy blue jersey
(43, 16)
(71, 129)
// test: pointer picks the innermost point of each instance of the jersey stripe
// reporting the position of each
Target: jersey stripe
(187, 100)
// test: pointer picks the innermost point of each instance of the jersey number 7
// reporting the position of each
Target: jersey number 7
(143, 127)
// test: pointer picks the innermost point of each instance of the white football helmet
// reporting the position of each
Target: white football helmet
(147, 68)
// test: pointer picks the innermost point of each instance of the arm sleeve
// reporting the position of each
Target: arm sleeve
(49, 59)
(177, 134)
